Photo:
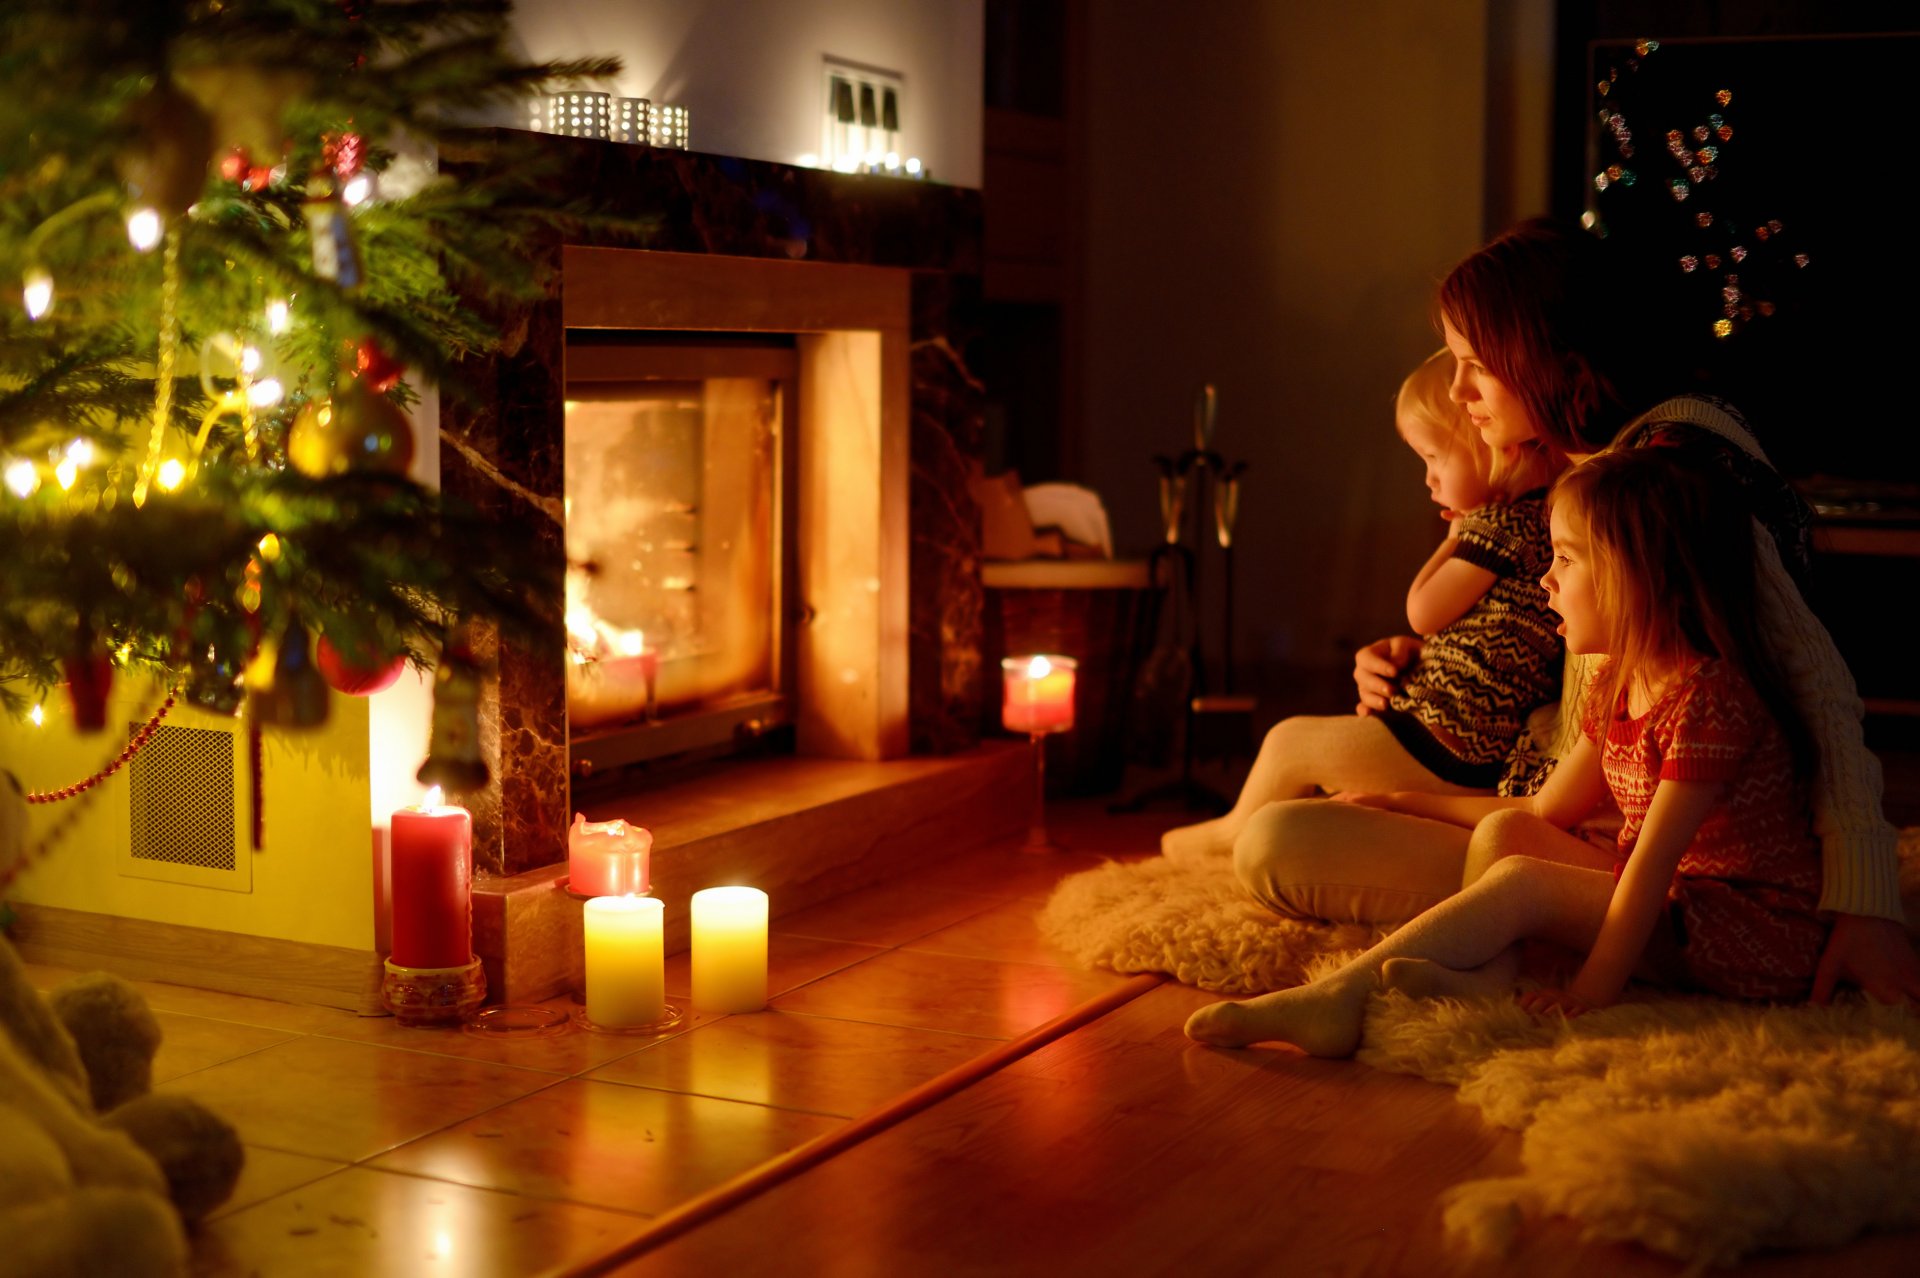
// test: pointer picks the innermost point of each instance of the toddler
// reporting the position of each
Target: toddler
(1490, 653)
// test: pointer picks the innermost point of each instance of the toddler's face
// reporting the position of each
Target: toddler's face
(1569, 582)
(1455, 478)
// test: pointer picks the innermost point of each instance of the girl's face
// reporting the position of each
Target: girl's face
(1455, 477)
(1569, 582)
(1498, 413)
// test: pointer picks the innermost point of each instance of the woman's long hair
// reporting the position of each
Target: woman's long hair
(1566, 325)
(1672, 549)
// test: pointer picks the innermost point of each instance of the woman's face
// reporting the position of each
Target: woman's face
(1498, 413)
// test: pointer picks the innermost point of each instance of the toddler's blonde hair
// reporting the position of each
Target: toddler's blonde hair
(1510, 471)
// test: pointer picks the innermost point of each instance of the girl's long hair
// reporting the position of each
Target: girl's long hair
(1671, 543)
(1567, 324)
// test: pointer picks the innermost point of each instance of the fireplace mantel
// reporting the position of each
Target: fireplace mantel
(875, 277)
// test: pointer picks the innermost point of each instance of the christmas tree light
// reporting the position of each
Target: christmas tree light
(196, 172)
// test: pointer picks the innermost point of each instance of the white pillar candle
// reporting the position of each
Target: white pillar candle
(730, 949)
(626, 961)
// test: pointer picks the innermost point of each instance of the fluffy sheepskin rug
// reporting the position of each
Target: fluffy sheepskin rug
(1702, 1129)
(1698, 1128)
(1191, 920)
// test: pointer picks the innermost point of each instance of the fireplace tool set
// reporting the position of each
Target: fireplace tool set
(1197, 483)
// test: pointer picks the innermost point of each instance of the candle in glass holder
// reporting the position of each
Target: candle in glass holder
(730, 949)
(608, 858)
(1038, 693)
(634, 655)
(625, 961)
(430, 858)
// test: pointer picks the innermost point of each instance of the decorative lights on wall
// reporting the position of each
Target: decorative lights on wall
(652, 123)
(573, 115)
(601, 115)
(860, 125)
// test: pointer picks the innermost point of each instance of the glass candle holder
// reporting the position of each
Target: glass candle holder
(1037, 699)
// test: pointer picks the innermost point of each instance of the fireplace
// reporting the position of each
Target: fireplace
(681, 566)
(870, 284)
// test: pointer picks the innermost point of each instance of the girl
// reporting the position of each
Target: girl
(1491, 653)
(1687, 723)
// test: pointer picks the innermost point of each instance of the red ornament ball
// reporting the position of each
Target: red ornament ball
(355, 677)
(375, 367)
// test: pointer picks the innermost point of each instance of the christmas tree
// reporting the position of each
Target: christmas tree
(230, 249)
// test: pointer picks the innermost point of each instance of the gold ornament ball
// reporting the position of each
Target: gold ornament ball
(357, 430)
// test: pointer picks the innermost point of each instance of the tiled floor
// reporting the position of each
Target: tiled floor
(375, 1149)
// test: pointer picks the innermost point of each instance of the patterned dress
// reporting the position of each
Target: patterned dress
(1705, 430)
(1460, 708)
(1743, 900)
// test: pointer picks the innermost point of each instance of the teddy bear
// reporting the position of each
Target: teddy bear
(98, 1175)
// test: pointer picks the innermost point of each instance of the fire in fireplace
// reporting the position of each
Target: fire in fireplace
(679, 505)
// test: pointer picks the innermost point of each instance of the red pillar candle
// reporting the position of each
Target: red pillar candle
(430, 852)
(607, 858)
(1038, 693)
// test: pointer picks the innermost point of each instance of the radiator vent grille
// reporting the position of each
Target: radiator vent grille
(181, 798)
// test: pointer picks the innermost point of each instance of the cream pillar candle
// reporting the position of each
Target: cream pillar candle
(626, 961)
(730, 949)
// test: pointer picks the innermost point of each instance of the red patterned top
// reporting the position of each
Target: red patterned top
(1744, 894)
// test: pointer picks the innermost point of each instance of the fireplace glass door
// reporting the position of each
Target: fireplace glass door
(677, 509)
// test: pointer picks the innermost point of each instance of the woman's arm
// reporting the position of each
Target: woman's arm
(1673, 817)
(1377, 667)
(1569, 794)
(1860, 871)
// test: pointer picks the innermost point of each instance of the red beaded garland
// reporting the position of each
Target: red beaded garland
(140, 739)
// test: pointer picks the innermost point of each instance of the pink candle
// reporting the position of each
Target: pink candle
(430, 852)
(607, 858)
(1038, 694)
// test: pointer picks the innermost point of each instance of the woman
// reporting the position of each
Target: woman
(1555, 347)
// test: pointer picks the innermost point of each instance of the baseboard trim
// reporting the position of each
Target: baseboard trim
(203, 958)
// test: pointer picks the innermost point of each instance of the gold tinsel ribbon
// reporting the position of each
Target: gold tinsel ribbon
(163, 372)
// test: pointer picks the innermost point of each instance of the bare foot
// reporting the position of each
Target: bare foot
(1322, 1019)
(1423, 978)
(1201, 840)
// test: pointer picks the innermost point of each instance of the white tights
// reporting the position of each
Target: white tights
(1300, 757)
(1463, 942)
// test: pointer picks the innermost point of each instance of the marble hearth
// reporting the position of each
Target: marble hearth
(876, 279)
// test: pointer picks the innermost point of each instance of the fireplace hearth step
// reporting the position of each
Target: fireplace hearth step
(804, 830)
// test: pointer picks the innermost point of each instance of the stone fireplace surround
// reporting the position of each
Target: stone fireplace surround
(877, 279)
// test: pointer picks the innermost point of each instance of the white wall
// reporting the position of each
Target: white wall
(1275, 191)
(750, 71)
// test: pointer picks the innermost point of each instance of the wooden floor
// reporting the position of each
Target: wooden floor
(1115, 1147)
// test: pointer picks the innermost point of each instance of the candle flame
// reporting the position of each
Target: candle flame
(434, 798)
(589, 637)
(1039, 668)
